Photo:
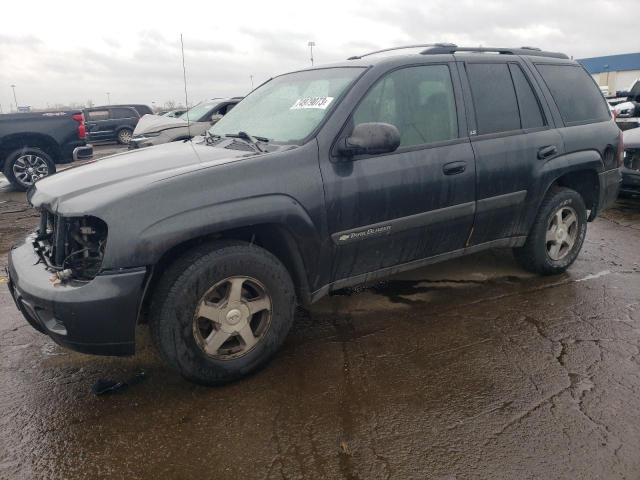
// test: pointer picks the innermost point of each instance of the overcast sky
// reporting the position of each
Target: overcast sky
(57, 52)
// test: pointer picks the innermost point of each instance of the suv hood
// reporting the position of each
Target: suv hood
(80, 189)
(157, 123)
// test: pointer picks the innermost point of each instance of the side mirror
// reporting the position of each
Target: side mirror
(371, 139)
(215, 117)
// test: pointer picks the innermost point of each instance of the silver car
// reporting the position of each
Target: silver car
(157, 129)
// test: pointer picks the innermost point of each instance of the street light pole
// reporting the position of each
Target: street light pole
(311, 45)
(13, 87)
(108, 98)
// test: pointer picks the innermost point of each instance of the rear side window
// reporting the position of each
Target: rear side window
(98, 115)
(494, 97)
(577, 96)
(123, 113)
(419, 101)
(531, 115)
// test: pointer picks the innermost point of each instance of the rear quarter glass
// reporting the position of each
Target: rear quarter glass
(575, 93)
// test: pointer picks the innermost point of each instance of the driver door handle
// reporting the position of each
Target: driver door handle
(546, 152)
(454, 168)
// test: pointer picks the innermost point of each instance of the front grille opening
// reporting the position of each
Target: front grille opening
(73, 247)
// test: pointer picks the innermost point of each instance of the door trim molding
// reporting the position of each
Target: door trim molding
(387, 271)
(501, 201)
(401, 224)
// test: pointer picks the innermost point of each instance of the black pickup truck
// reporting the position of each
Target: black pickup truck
(31, 144)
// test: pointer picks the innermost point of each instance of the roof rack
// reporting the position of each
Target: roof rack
(423, 45)
(451, 48)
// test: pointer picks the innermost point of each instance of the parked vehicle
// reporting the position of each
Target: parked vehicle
(320, 179)
(173, 113)
(626, 107)
(631, 163)
(155, 130)
(141, 109)
(31, 144)
(111, 123)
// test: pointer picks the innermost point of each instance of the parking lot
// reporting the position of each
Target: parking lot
(467, 369)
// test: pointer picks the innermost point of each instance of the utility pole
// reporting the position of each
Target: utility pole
(14, 96)
(311, 45)
(251, 77)
(108, 98)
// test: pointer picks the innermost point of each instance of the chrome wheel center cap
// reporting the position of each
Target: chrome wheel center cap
(234, 316)
(561, 234)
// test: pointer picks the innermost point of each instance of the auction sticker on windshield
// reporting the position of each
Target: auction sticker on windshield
(312, 102)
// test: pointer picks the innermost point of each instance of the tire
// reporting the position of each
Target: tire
(539, 254)
(24, 166)
(178, 333)
(124, 136)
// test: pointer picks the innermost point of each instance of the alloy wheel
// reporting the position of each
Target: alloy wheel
(29, 168)
(562, 232)
(232, 317)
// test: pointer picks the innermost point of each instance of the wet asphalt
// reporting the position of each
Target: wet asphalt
(467, 369)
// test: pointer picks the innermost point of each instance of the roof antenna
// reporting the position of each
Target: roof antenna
(186, 98)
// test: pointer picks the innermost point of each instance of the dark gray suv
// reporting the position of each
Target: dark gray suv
(319, 179)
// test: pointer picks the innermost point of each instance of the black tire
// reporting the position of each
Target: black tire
(27, 156)
(124, 136)
(534, 256)
(184, 284)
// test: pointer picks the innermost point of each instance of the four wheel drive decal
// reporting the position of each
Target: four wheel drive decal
(418, 220)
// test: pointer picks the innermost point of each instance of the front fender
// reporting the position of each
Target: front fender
(157, 238)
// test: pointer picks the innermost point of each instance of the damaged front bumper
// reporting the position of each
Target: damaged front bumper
(97, 316)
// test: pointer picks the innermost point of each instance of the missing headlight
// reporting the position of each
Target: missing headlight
(74, 244)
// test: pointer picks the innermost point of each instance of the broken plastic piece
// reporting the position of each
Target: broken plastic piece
(104, 386)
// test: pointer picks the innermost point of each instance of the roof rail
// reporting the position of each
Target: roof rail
(435, 45)
(450, 49)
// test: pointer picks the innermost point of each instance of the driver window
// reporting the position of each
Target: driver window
(418, 101)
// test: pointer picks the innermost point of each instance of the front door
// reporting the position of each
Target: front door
(417, 202)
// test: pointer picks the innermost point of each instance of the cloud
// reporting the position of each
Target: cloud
(140, 61)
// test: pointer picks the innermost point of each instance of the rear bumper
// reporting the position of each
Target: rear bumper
(630, 181)
(97, 317)
(83, 153)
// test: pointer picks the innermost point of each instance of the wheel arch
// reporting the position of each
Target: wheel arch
(44, 142)
(577, 171)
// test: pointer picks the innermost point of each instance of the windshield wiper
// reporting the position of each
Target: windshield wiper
(210, 138)
(249, 139)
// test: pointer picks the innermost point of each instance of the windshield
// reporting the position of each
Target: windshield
(196, 113)
(288, 108)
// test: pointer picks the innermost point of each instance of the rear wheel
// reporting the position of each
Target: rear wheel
(124, 136)
(24, 166)
(557, 234)
(221, 311)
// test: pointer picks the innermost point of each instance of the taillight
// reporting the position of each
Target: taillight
(82, 131)
(620, 151)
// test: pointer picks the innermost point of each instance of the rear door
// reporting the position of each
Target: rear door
(417, 202)
(512, 135)
(97, 122)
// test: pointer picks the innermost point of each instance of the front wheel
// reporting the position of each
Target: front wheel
(24, 166)
(124, 136)
(557, 234)
(221, 311)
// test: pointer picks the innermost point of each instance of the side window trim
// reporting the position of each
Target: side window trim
(459, 109)
(545, 122)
